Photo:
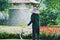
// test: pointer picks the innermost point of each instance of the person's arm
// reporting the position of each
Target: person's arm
(32, 19)
(29, 23)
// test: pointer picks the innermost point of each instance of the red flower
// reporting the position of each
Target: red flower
(49, 30)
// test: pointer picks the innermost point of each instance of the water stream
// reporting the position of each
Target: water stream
(18, 15)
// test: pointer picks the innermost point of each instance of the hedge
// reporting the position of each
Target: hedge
(5, 35)
(48, 33)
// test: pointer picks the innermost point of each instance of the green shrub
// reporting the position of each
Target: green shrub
(27, 36)
(5, 35)
(22, 25)
(42, 35)
(49, 36)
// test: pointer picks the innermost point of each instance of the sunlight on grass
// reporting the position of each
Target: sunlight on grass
(12, 26)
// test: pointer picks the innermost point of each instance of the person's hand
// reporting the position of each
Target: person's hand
(28, 24)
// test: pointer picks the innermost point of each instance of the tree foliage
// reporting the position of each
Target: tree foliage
(53, 4)
(4, 5)
(49, 15)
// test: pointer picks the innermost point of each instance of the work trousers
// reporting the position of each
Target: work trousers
(35, 33)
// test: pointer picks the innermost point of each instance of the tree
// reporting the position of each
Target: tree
(49, 15)
(53, 4)
(4, 5)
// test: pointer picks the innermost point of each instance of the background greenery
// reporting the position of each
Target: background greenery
(48, 15)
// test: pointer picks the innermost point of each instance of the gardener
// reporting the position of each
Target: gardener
(35, 23)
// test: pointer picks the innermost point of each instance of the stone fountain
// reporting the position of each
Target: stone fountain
(20, 13)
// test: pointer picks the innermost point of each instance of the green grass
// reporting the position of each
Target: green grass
(9, 39)
(12, 26)
(16, 39)
(9, 26)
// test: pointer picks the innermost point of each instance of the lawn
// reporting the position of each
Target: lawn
(15, 39)
(9, 39)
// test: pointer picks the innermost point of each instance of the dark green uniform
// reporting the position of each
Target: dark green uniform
(35, 25)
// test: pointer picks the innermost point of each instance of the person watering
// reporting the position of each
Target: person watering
(35, 23)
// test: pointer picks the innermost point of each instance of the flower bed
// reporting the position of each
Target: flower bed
(49, 30)
(52, 33)
(46, 32)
